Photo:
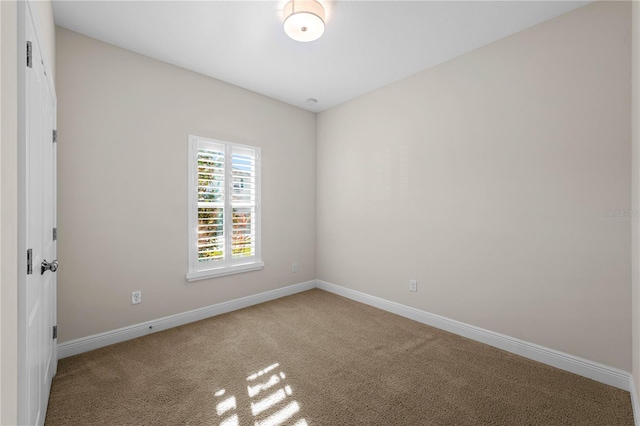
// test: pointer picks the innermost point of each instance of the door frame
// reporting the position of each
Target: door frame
(27, 11)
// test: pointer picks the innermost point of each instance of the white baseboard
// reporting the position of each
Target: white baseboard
(634, 401)
(85, 344)
(583, 367)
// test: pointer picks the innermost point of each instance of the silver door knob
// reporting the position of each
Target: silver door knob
(46, 266)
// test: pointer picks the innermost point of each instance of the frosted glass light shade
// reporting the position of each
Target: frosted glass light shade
(304, 20)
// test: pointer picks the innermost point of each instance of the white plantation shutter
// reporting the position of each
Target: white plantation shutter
(243, 202)
(225, 209)
(211, 200)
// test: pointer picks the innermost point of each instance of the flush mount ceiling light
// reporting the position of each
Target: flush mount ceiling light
(304, 20)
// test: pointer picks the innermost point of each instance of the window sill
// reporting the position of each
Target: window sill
(219, 272)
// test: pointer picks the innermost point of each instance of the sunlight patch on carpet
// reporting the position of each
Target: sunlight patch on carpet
(267, 402)
(281, 415)
(263, 371)
(255, 390)
(270, 399)
(230, 421)
(226, 405)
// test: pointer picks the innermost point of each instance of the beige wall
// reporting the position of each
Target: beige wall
(123, 122)
(487, 179)
(635, 191)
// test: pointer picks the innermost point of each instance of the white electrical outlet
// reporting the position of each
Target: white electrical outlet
(294, 267)
(413, 285)
(136, 297)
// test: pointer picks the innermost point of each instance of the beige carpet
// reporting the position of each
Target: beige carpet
(319, 359)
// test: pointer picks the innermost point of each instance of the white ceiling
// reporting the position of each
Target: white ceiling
(367, 44)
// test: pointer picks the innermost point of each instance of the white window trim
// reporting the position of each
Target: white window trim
(220, 272)
(230, 267)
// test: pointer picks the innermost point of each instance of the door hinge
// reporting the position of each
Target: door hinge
(55, 331)
(29, 261)
(55, 234)
(55, 136)
(29, 59)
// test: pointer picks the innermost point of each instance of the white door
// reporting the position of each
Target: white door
(39, 313)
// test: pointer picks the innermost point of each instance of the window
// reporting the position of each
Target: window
(224, 208)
